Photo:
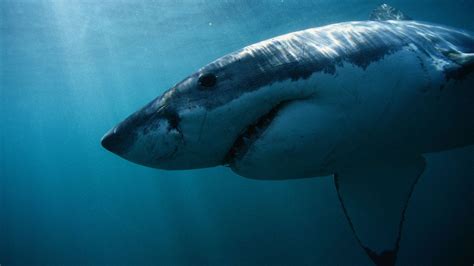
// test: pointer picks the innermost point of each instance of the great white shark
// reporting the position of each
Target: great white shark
(362, 101)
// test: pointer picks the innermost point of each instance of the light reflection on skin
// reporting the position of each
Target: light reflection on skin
(344, 38)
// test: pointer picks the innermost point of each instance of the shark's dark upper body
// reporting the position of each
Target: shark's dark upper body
(299, 55)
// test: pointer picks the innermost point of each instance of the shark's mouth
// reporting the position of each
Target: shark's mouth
(251, 134)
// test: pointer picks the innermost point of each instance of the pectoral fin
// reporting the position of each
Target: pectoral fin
(374, 198)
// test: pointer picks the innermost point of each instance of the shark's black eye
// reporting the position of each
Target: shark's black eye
(207, 80)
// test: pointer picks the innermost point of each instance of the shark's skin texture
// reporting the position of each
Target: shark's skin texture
(362, 101)
(192, 126)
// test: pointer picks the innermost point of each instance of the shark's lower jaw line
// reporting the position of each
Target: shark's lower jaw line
(251, 134)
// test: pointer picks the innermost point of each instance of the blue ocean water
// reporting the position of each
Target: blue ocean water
(70, 70)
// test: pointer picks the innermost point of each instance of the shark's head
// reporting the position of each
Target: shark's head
(209, 118)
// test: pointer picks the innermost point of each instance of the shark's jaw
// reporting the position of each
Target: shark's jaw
(252, 133)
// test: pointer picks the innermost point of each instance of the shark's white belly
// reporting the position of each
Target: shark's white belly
(395, 106)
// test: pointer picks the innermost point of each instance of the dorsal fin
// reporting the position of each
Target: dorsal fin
(386, 12)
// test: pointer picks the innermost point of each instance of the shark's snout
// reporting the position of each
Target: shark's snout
(150, 137)
(110, 140)
(115, 140)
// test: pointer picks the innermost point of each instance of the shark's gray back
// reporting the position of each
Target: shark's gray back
(300, 54)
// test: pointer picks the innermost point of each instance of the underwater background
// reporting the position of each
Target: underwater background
(70, 70)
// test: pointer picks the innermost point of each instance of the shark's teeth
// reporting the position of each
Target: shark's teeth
(251, 134)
